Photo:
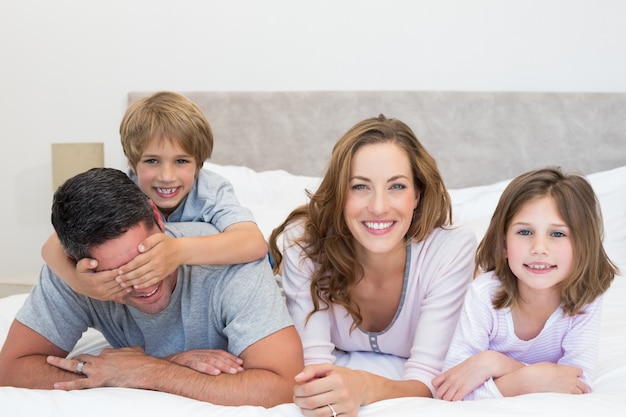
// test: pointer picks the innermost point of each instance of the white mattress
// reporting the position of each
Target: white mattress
(271, 195)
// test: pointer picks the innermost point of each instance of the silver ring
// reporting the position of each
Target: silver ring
(79, 367)
(332, 410)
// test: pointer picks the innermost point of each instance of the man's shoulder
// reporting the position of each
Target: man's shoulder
(228, 289)
(189, 229)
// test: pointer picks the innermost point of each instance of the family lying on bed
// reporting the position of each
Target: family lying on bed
(371, 263)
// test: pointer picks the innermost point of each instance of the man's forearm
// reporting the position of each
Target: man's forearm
(132, 368)
(33, 372)
(250, 387)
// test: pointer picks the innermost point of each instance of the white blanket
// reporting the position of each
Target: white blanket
(271, 195)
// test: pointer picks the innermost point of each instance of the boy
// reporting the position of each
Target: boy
(166, 139)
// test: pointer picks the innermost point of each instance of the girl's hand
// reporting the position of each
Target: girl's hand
(552, 377)
(211, 362)
(98, 285)
(459, 381)
(317, 386)
(158, 258)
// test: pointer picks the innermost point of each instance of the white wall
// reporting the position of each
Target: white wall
(67, 65)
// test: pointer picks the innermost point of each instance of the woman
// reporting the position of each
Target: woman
(372, 263)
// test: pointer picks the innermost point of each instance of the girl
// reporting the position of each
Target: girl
(531, 321)
(371, 264)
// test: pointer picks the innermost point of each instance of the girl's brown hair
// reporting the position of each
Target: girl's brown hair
(327, 241)
(577, 204)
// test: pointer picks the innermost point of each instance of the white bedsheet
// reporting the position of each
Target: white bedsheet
(271, 195)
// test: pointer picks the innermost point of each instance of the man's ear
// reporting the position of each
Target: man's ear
(157, 215)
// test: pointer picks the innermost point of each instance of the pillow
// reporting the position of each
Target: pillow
(271, 195)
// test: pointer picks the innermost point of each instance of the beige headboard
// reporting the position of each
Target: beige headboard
(476, 137)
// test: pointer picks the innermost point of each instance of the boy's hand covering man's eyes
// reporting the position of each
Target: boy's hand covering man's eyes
(158, 258)
(98, 285)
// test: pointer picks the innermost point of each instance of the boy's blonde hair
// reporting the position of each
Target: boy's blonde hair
(166, 116)
(577, 204)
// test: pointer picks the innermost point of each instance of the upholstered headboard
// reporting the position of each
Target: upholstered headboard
(476, 137)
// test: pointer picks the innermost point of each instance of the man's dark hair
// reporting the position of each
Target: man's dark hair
(96, 206)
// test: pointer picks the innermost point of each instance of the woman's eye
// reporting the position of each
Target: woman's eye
(398, 187)
(359, 187)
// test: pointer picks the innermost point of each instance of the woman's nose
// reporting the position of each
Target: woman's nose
(379, 203)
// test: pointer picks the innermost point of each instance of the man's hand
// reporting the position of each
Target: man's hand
(207, 361)
(123, 367)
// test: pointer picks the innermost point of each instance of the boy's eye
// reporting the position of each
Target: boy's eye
(150, 161)
(182, 161)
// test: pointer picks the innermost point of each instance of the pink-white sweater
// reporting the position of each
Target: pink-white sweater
(563, 340)
(437, 274)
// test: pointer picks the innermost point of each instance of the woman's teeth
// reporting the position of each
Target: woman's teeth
(378, 225)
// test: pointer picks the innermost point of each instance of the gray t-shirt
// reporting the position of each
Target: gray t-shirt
(213, 307)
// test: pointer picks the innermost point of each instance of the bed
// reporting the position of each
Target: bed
(274, 145)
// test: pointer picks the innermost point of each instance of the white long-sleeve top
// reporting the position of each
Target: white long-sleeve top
(437, 273)
(563, 340)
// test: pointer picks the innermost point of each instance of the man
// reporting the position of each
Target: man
(214, 333)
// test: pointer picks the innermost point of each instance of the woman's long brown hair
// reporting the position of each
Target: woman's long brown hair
(326, 239)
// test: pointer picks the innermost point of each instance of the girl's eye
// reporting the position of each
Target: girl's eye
(557, 234)
(524, 233)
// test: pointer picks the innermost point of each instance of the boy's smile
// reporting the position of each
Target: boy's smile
(166, 173)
